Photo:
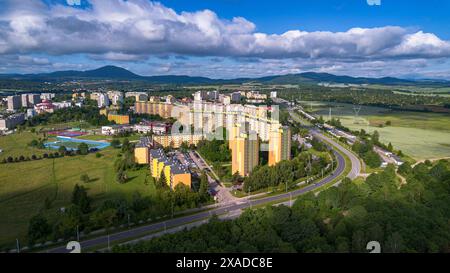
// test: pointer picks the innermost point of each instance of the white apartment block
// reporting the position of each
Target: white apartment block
(206, 117)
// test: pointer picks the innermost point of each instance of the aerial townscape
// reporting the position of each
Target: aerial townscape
(146, 140)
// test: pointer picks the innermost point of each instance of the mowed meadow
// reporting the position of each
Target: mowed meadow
(25, 186)
(421, 135)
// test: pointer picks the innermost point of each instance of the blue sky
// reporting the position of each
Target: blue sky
(228, 38)
(333, 15)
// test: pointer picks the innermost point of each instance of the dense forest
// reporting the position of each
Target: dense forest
(404, 218)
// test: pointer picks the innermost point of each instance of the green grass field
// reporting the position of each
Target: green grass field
(420, 135)
(17, 144)
(25, 186)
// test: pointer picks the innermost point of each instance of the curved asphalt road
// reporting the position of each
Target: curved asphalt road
(144, 230)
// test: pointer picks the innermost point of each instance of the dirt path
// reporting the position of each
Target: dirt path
(432, 160)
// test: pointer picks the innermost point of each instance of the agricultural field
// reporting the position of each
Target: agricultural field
(418, 134)
(23, 195)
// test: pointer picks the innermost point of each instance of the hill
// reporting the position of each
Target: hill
(117, 73)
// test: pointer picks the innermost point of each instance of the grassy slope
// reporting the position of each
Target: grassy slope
(24, 187)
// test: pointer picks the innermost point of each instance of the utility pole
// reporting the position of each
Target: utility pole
(78, 233)
(250, 203)
(109, 246)
(17, 246)
(128, 220)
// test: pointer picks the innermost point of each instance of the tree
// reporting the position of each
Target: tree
(376, 137)
(126, 146)
(81, 199)
(85, 178)
(405, 168)
(115, 143)
(390, 148)
(38, 229)
(62, 149)
(121, 176)
(83, 148)
(394, 243)
(184, 147)
(161, 183)
(372, 159)
(203, 190)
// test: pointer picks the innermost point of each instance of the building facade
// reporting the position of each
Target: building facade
(175, 140)
(279, 145)
(14, 103)
(142, 151)
(244, 150)
(11, 122)
(154, 108)
(119, 119)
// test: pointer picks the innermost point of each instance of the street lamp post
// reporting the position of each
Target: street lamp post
(17, 246)
(249, 190)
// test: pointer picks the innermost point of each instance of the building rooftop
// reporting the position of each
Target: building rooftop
(144, 142)
(175, 166)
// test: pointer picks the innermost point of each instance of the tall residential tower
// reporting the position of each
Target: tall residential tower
(245, 150)
(279, 145)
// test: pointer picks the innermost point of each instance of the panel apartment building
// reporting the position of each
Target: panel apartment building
(244, 145)
(174, 172)
(279, 145)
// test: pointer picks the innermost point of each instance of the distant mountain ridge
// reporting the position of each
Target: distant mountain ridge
(118, 73)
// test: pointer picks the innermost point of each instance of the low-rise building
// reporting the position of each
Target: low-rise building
(46, 106)
(112, 130)
(155, 127)
(119, 119)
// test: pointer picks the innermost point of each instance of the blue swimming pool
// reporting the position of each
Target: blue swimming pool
(71, 144)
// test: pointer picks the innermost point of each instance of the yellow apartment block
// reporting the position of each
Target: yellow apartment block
(174, 172)
(119, 119)
(142, 151)
(279, 145)
(176, 140)
(141, 155)
(245, 153)
(154, 108)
